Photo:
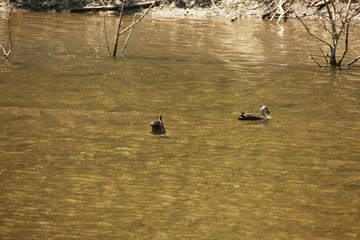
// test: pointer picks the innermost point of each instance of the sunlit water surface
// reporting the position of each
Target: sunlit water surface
(77, 162)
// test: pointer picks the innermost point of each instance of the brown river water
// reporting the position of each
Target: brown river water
(77, 162)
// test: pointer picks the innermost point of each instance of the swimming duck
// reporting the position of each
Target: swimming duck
(157, 126)
(255, 116)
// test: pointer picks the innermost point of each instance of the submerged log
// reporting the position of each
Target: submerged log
(111, 7)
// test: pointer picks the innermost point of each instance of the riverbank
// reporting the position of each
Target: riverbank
(190, 8)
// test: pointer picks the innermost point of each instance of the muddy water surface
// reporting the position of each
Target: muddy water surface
(76, 161)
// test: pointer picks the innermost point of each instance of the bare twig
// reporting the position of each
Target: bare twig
(216, 6)
(284, 14)
(353, 61)
(278, 10)
(137, 21)
(9, 44)
(311, 34)
(330, 15)
(333, 7)
(346, 25)
(128, 36)
(118, 29)
(322, 52)
(326, 28)
(281, 11)
(348, 8)
(311, 57)
(337, 26)
(272, 17)
(129, 27)
(268, 10)
(106, 38)
(346, 43)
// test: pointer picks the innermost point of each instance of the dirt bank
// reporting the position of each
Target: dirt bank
(196, 8)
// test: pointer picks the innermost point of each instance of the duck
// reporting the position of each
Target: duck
(157, 126)
(255, 116)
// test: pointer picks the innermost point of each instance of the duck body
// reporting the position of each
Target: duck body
(251, 116)
(157, 127)
(255, 116)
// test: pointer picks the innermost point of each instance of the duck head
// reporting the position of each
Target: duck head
(263, 110)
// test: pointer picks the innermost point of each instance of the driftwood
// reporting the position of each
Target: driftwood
(277, 9)
(112, 7)
(320, 4)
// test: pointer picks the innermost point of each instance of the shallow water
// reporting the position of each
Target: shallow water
(76, 161)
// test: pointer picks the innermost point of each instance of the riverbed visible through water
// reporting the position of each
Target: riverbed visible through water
(77, 162)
